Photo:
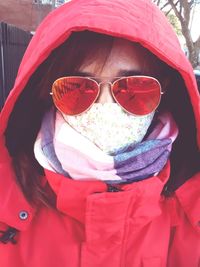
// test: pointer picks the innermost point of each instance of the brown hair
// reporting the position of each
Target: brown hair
(25, 119)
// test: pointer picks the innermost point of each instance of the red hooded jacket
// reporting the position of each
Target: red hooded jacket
(137, 227)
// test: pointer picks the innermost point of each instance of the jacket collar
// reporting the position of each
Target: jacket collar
(73, 196)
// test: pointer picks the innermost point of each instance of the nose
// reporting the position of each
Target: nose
(105, 95)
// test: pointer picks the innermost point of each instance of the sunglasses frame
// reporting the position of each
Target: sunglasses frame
(111, 90)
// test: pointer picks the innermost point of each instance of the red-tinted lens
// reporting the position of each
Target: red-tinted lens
(139, 95)
(74, 95)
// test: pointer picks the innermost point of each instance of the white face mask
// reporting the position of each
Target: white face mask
(109, 126)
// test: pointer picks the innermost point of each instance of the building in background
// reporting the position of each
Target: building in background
(27, 14)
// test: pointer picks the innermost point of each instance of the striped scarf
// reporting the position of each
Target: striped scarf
(61, 149)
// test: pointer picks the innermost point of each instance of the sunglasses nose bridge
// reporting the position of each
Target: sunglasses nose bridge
(105, 94)
(104, 83)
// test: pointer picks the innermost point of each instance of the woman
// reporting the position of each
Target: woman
(99, 143)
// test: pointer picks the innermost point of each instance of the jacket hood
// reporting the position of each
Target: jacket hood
(111, 18)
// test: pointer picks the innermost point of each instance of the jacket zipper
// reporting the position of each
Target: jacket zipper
(112, 188)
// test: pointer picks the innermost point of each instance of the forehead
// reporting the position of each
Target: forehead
(123, 48)
(123, 55)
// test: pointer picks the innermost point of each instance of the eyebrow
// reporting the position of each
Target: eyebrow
(129, 72)
(83, 73)
(120, 73)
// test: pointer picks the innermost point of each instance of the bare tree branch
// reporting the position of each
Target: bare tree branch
(175, 9)
(187, 10)
(164, 6)
(191, 3)
(168, 12)
(197, 42)
(183, 10)
(158, 2)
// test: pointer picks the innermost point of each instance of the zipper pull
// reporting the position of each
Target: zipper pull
(112, 188)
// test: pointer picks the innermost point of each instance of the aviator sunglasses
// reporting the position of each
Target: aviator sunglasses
(137, 95)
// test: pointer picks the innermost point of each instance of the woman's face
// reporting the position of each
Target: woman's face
(125, 59)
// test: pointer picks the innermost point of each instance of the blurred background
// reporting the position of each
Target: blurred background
(27, 14)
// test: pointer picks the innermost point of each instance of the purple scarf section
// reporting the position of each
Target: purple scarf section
(143, 160)
(126, 165)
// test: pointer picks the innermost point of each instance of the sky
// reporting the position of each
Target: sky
(195, 27)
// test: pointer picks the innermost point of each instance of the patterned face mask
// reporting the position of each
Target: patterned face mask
(110, 127)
